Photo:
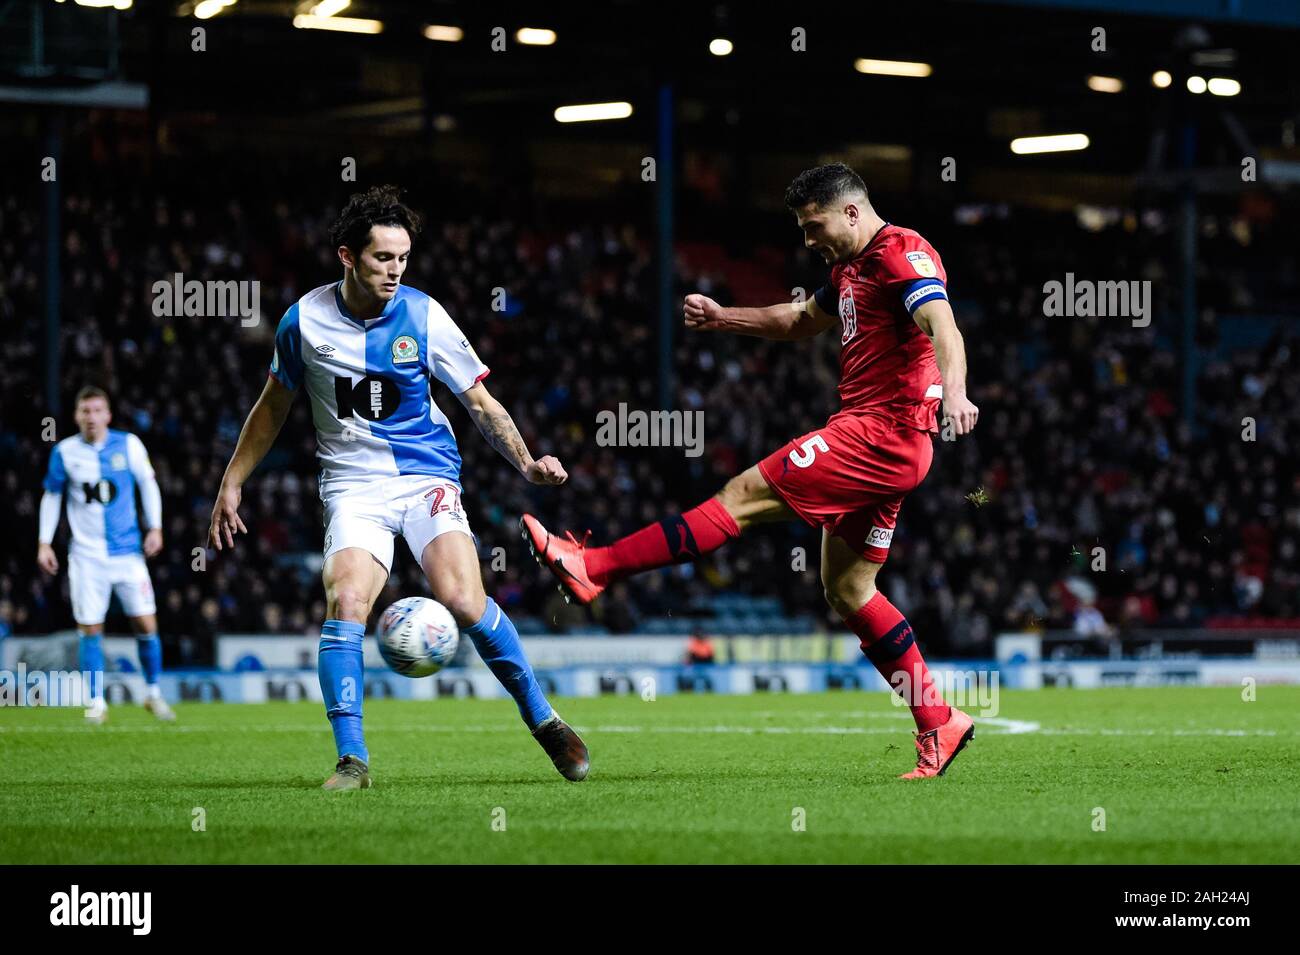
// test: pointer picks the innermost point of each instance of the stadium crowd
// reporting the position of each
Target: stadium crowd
(1082, 501)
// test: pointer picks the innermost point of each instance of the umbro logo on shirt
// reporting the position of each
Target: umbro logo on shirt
(324, 349)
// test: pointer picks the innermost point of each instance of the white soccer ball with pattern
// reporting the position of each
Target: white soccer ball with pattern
(417, 636)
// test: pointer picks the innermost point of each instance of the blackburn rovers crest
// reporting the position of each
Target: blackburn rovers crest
(405, 350)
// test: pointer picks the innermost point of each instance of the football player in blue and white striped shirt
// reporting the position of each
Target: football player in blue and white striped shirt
(367, 350)
(99, 469)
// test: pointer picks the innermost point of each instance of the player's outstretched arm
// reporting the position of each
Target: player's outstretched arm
(499, 429)
(260, 429)
(789, 321)
(935, 318)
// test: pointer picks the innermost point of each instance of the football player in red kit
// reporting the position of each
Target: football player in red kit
(901, 356)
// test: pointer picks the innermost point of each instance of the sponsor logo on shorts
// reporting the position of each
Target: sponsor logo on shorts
(923, 264)
(881, 537)
(405, 350)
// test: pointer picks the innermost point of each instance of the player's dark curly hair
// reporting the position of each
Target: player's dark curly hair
(823, 185)
(378, 205)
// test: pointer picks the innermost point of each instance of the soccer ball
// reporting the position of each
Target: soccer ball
(417, 636)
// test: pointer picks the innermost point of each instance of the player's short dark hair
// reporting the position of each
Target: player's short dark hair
(822, 185)
(378, 205)
(91, 391)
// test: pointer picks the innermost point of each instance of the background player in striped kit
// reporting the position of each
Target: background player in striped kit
(368, 350)
(100, 468)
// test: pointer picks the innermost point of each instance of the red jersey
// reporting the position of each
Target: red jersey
(887, 364)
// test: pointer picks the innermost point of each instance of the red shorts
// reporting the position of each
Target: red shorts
(850, 476)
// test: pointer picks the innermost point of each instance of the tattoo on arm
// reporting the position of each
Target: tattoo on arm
(500, 431)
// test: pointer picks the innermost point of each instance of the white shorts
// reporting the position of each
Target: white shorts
(418, 507)
(93, 581)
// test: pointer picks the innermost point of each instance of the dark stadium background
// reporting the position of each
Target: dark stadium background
(1092, 432)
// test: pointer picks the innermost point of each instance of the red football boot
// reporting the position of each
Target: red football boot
(564, 557)
(939, 747)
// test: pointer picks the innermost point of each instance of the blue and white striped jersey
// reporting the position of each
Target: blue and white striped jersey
(369, 384)
(100, 480)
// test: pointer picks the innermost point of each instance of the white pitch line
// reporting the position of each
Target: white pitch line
(1209, 731)
(1009, 725)
(1003, 725)
(422, 728)
(193, 728)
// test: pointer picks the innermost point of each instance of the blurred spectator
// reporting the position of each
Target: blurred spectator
(699, 649)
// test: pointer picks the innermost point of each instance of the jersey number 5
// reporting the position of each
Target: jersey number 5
(807, 451)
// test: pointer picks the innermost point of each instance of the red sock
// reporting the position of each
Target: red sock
(674, 540)
(887, 641)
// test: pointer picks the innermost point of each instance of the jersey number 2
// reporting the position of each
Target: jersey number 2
(439, 495)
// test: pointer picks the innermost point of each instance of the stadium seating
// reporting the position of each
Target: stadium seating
(577, 320)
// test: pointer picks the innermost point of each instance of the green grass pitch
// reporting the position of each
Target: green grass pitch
(1183, 775)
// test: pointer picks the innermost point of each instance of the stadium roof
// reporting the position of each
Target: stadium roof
(996, 72)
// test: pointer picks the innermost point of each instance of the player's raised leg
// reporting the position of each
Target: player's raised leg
(353, 578)
(886, 638)
(584, 572)
(451, 565)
